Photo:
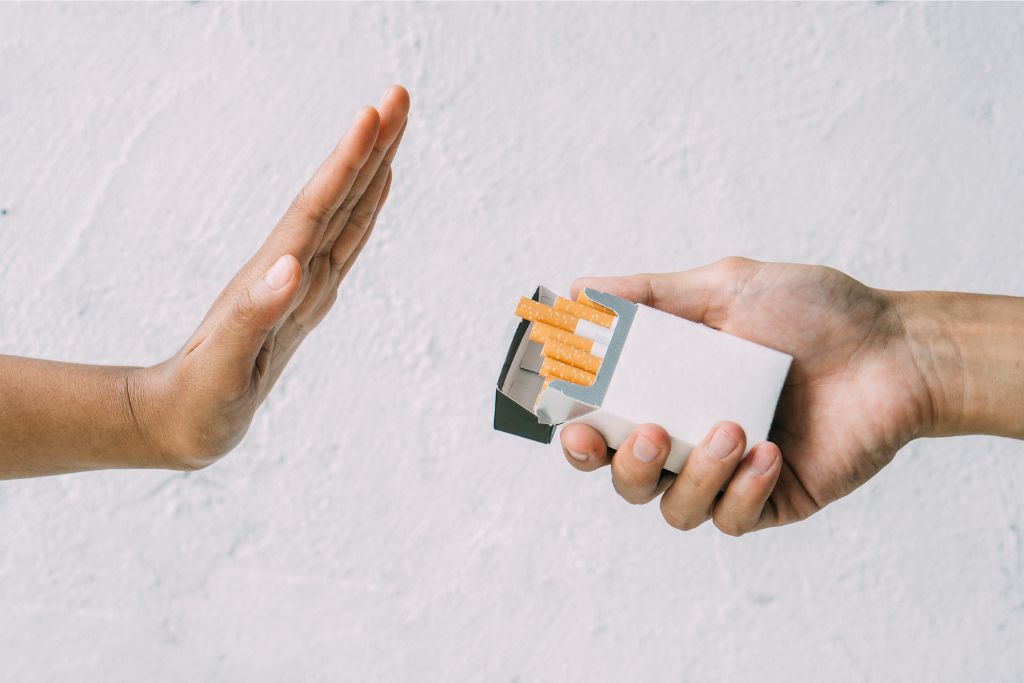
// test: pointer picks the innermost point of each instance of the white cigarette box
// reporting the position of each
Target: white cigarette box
(658, 368)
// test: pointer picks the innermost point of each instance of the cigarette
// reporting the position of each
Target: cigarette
(536, 312)
(528, 309)
(571, 356)
(558, 370)
(582, 298)
(542, 334)
(584, 312)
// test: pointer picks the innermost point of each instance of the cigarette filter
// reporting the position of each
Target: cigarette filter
(543, 388)
(542, 333)
(556, 369)
(584, 312)
(582, 298)
(571, 356)
(538, 312)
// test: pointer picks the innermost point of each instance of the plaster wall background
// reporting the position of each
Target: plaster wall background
(372, 526)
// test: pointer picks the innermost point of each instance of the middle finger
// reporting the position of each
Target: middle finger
(688, 501)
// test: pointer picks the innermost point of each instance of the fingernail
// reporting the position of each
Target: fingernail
(279, 274)
(761, 461)
(721, 444)
(644, 449)
(582, 457)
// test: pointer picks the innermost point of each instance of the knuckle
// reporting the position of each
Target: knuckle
(626, 492)
(306, 208)
(692, 480)
(678, 520)
(244, 308)
(734, 268)
(734, 263)
(362, 214)
(728, 526)
(350, 202)
(338, 257)
(735, 273)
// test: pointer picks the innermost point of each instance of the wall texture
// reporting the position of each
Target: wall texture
(371, 526)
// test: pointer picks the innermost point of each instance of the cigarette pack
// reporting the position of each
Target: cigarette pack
(656, 367)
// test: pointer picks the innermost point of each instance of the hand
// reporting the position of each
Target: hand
(197, 406)
(854, 396)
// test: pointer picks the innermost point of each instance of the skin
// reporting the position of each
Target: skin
(872, 370)
(190, 410)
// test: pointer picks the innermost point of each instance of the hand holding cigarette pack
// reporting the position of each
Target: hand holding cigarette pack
(614, 364)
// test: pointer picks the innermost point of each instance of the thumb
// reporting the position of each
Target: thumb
(695, 294)
(255, 310)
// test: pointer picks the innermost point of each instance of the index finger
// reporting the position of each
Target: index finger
(584, 447)
(692, 294)
(684, 294)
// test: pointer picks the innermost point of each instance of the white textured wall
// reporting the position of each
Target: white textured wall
(371, 526)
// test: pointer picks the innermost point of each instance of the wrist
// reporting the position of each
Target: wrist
(182, 433)
(967, 348)
(935, 356)
(150, 402)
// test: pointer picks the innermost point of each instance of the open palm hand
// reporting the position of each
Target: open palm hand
(197, 406)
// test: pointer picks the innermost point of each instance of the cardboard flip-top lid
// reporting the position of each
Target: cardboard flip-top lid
(509, 416)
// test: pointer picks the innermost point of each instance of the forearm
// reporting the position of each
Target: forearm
(61, 417)
(970, 348)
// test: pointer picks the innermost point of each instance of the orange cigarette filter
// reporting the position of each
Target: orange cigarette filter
(542, 334)
(556, 369)
(571, 356)
(582, 298)
(528, 309)
(547, 382)
(586, 312)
